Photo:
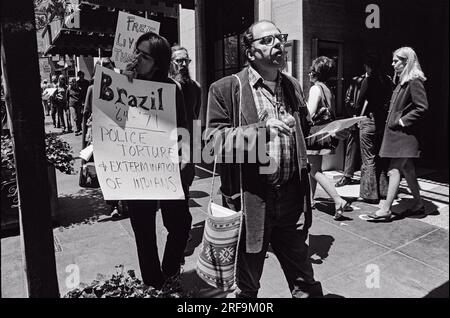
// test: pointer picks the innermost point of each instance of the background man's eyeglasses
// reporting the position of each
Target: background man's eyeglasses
(270, 39)
(180, 61)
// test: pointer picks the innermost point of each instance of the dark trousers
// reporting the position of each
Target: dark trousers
(283, 231)
(68, 114)
(352, 154)
(177, 220)
(54, 114)
(60, 121)
(374, 183)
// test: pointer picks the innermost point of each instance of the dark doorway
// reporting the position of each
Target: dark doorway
(225, 24)
(334, 50)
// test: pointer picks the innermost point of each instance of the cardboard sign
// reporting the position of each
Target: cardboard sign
(135, 138)
(48, 92)
(129, 28)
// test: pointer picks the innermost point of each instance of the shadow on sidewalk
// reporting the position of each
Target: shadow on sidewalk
(197, 288)
(319, 246)
(439, 292)
(404, 204)
(326, 206)
(85, 206)
(195, 238)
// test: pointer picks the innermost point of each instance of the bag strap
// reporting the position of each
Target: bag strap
(238, 244)
(364, 108)
(215, 157)
(324, 97)
(240, 124)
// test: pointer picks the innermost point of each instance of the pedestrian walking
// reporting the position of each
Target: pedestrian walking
(373, 102)
(320, 103)
(60, 103)
(76, 98)
(352, 161)
(401, 136)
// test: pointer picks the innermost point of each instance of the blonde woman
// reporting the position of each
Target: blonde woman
(400, 143)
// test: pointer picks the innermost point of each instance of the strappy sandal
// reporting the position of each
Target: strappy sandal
(339, 214)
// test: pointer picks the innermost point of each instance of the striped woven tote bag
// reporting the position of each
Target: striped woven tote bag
(216, 263)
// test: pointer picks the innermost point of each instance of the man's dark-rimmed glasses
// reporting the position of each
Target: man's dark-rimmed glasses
(270, 39)
(181, 61)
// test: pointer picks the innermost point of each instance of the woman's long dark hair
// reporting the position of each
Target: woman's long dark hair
(161, 53)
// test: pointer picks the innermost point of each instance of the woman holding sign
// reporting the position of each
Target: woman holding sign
(151, 62)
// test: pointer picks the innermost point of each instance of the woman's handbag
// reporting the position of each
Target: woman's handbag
(216, 263)
(320, 119)
(88, 176)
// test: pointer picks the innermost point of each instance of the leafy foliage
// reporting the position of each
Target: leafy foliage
(48, 10)
(58, 152)
(120, 285)
(7, 157)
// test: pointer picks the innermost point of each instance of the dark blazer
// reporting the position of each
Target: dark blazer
(187, 169)
(377, 90)
(408, 103)
(222, 119)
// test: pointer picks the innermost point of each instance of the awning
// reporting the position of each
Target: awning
(98, 26)
(143, 5)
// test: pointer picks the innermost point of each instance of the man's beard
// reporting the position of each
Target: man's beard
(182, 76)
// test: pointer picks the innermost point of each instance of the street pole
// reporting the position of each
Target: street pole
(21, 74)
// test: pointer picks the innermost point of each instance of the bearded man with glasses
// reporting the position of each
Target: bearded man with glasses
(277, 209)
(179, 71)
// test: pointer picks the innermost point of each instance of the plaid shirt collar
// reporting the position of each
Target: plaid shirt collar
(256, 79)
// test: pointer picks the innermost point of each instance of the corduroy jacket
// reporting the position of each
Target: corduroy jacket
(223, 121)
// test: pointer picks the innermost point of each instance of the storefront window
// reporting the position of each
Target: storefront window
(231, 52)
(229, 57)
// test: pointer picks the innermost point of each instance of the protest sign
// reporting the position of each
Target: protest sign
(129, 28)
(136, 150)
(48, 92)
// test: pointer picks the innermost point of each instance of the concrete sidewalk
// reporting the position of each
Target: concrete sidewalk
(352, 258)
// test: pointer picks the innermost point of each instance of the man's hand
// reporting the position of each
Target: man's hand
(277, 126)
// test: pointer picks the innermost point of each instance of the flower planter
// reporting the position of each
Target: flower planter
(9, 200)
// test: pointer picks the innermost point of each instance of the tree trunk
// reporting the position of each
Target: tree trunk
(21, 73)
